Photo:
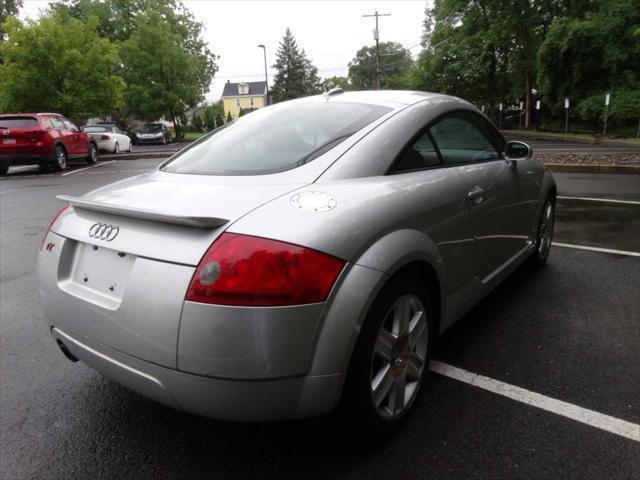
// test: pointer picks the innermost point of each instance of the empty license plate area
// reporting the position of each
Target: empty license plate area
(102, 271)
(8, 141)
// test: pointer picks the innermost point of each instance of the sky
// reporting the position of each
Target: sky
(330, 31)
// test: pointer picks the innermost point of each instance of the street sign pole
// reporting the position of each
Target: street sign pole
(566, 116)
(537, 114)
(607, 99)
(500, 112)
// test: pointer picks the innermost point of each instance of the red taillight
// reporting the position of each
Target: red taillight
(51, 224)
(34, 135)
(251, 271)
(104, 137)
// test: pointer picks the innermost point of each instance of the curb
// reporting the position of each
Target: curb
(595, 168)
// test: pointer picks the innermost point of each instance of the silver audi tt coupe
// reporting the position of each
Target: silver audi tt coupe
(304, 256)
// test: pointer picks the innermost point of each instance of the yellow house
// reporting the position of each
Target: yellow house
(246, 95)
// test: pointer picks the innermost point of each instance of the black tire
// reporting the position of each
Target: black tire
(130, 149)
(544, 234)
(93, 154)
(359, 391)
(164, 140)
(116, 148)
(4, 169)
(59, 158)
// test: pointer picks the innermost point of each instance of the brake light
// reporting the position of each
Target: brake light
(250, 271)
(51, 224)
(105, 137)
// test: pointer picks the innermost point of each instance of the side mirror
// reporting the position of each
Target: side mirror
(515, 150)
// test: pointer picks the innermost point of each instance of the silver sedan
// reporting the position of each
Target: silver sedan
(304, 256)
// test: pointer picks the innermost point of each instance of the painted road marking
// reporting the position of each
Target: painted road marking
(605, 200)
(596, 249)
(86, 168)
(519, 394)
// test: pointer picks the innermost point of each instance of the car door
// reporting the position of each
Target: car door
(500, 219)
(75, 143)
(443, 213)
(123, 139)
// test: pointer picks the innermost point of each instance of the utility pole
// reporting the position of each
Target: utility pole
(376, 37)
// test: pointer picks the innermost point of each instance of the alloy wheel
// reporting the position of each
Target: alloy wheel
(399, 357)
(61, 158)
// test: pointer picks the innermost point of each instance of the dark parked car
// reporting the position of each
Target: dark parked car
(153, 133)
(45, 139)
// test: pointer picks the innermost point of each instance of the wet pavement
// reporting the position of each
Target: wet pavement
(570, 331)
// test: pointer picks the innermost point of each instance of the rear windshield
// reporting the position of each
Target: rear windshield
(18, 122)
(151, 128)
(97, 129)
(274, 139)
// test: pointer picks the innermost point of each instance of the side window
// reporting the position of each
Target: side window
(421, 154)
(55, 123)
(68, 125)
(461, 141)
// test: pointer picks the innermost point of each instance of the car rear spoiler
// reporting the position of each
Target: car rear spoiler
(198, 222)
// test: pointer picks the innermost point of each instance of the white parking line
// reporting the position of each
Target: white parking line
(564, 409)
(85, 168)
(596, 249)
(605, 200)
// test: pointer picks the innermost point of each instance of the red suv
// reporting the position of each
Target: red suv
(45, 139)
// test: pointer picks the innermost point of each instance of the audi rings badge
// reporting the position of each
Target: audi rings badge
(103, 231)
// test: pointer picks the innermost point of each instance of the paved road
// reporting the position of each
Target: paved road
(570, 332)
(561, 146)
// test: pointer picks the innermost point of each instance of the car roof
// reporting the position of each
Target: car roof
(30, 115)
(394, 99)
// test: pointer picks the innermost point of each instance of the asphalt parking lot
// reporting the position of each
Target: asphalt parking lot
(566, 338)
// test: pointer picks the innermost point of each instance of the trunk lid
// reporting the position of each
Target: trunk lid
(165, 216)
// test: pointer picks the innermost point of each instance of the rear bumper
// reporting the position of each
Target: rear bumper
(8, 159)
(225, 399)
(149, 141)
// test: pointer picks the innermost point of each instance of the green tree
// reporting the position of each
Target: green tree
(59, 65)
(8, 8)
(118, 18)
(229, 118)
(296, 76)
(485, 50)
(586, 57)
(213, 115)
(336, 82)
(163, 77)
(196, 122)
(395, 61)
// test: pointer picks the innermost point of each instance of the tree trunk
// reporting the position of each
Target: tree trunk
(175, 124)
(527, 107)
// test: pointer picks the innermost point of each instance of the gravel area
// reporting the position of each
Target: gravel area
(627, 159)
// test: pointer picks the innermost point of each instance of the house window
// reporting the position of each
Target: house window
(243, 88)
(251, 101)
(237, 102)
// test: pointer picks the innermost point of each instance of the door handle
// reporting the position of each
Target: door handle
(476, 195)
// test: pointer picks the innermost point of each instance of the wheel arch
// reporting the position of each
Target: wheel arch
(402, 252)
